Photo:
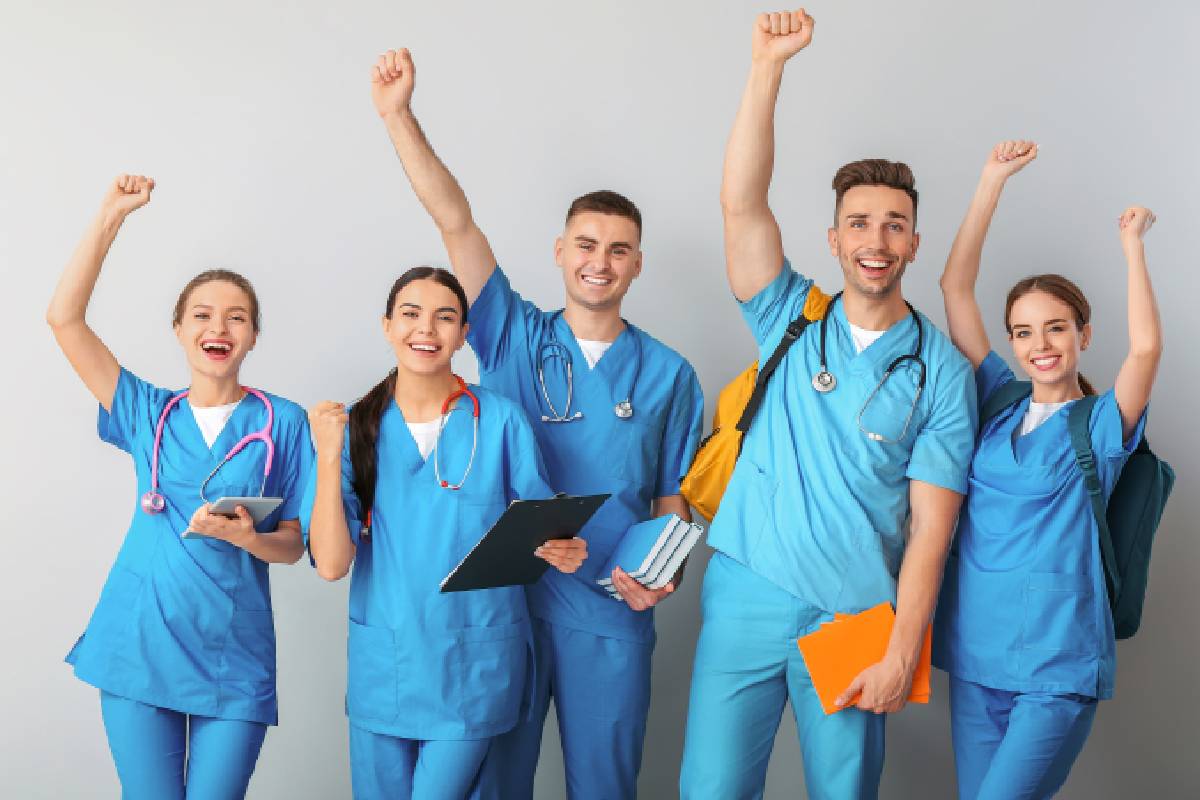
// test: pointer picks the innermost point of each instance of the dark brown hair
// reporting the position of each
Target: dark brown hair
(1062, 289)
(873, 172)
(606, 202)
(368, 411)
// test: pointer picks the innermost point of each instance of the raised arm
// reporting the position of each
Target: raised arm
(967, 330)
(753, 245)
(392, 81)
(1136, 377)
(328, 535)
(93, 362)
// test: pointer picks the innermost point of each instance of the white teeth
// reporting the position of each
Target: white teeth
(873, 264)
(1045, 362)
(596, 281)
(225, 348)
(425, 348)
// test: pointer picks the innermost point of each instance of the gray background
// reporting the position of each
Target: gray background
(256, 121)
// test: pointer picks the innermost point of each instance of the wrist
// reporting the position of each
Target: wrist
(397, 115)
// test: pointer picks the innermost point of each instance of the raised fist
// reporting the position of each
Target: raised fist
(779, 35)
(328, 422)
(127, 193)
(1135, 221)
(1010, 157)
(392, 82)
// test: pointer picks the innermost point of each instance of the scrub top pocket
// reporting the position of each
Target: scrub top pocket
(1058, 615)
(372, 674)
(488, 665)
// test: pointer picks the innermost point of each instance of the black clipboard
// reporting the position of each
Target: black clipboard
(504, 556)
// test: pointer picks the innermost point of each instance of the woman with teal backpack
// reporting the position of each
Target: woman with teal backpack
(1023, 625)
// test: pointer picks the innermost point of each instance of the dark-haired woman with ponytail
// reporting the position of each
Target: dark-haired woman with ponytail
(406, 483)
(1023, 625)
(181, 644)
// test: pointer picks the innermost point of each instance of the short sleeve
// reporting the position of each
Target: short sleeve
(681, 433)
(498, 319)
(528, 478)
(296, 461)
(777, 304)
(350, 502)
(991, 374)
(136, 405)
(941, 454)
(1106, 428)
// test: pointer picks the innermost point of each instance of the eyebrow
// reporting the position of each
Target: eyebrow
(590, 240)
(890, 215)
(1047, 322)
(231, 308)
(451, 309)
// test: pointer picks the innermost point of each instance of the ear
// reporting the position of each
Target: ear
(558, 251)
(463, 336)
(386, 326)
(637, 265)
(178, 332)
(916, 242)
(1085, 336)
(833, 242)
(253, 342)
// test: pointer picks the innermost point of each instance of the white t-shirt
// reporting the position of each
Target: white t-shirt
(212, 419)
(592, 350)
(1037, 414)
(863, 338)
(425, 435)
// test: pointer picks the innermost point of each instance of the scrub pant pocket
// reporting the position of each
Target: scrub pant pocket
(162, 754)
(1014, 745)
(391, 768)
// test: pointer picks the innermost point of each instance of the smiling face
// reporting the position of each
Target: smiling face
(874, 239)
(1047, 340)
(215, 327)
(600, 256)
(425, 327)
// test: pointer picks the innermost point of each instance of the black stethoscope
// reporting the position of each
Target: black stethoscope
(554, 349)
(824, 381)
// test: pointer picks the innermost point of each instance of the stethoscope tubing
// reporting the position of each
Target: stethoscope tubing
(622, 410)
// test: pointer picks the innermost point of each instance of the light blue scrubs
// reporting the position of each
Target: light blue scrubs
(185, 624)
(433, 676)
(1023, 622)
(811, 523)
(584, 639)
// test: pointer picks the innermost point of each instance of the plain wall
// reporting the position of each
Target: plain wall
(255, 120)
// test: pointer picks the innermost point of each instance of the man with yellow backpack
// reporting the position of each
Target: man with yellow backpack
(849, 478)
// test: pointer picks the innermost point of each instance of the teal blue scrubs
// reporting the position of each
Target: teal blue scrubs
(1023, 608)
(186, 624)
(817, 510)
(426, 666)
(584, 639)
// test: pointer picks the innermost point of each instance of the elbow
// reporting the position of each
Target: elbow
(734, 205)
(57, 320)
(331, 572)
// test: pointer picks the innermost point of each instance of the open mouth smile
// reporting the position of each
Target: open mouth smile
(216, 349)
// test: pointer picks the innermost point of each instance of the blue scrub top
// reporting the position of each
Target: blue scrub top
(1023, 606)
(635, 460)
(422, 664)
(186, 624)
(813, 505)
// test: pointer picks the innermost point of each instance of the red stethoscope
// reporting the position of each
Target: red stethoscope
(153, 502)
(461, 391)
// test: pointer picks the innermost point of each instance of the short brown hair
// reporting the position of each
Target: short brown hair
(208, 276)
(874, 172)
(605, 201)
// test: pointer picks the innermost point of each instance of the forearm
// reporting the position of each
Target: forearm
(328, 535)
(750, 153)
(1145, 326)
(282, 546)
(74, 290)
(962, 265)
(916, 595)
(432, 182)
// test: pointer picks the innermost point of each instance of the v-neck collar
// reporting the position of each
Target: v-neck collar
(609, 364)
(890, 344)
(226, 438)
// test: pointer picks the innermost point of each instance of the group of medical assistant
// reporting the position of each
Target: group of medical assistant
(447, 694)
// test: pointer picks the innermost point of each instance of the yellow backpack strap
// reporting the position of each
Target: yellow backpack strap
(816, 304)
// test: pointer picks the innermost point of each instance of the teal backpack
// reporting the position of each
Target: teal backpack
(1128, 524)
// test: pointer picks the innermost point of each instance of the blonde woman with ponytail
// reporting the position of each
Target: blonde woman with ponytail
(1023, 625)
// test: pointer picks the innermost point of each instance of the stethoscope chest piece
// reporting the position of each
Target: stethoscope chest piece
(624, 409)
(824, 381)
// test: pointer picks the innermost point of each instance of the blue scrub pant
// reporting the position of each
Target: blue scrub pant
(1015, 745)
(601, 692)
(162, 754)
(747, 667)
(391, 768)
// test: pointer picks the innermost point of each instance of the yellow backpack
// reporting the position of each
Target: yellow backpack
(706, 479)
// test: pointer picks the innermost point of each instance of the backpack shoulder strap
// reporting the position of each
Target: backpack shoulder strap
(1078, 418)
(1007, 395)
(815, 306)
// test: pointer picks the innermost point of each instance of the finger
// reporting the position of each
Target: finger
(377, 75)
(406, 63)
(785, 23)
(243, 514)
(853, 689)
(774, 23)
(764, 22)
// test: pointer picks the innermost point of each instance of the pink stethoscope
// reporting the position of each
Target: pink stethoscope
(153, 502)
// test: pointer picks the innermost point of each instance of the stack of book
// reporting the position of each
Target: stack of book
(651, 552)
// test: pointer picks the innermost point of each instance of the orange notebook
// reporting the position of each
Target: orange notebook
(838, 651)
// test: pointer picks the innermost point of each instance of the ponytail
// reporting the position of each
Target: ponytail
(1085, 385)
(364, 435)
